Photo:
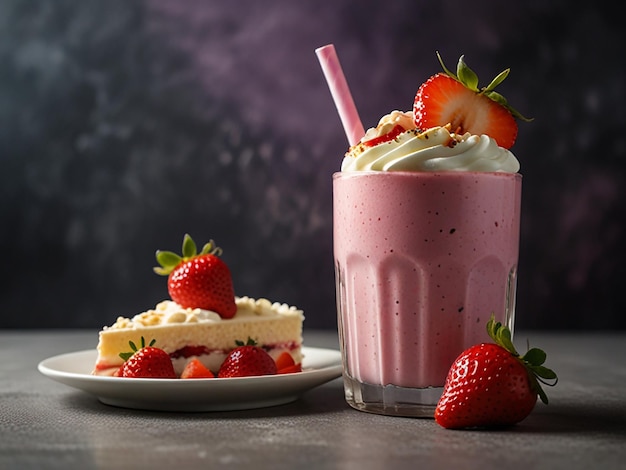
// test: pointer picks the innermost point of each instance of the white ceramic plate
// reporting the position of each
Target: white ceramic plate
(240, 393)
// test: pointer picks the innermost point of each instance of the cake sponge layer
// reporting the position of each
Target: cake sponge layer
(275, 327)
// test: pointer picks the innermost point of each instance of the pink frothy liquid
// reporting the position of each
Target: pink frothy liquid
(422, 261)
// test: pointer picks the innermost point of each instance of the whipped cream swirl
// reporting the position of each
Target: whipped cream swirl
(436, 149)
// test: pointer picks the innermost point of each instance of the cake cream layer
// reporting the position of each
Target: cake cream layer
(275, 327)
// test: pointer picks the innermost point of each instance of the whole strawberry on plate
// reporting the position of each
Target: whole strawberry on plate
(490, 384)
(247, 360)
(146, 362)
(455, 99)
(198, 280)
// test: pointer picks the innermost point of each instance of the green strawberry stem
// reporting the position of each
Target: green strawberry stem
(533, 360)
(469, 79)
(250, 342)
(134, 349)
(168, 260)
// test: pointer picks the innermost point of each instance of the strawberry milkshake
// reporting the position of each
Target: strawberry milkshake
(421, 260)
(426, 212)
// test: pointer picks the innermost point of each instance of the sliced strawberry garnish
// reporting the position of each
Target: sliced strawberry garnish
(392, 134)
(284, 360)
(290, 370)
(194, 369)
(285, 364)
(443, 100)
(446, 98)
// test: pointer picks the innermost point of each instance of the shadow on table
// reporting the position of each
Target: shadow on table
(566, 418)
(559, 418)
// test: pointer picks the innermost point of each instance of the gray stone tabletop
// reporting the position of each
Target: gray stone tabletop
(48, 425)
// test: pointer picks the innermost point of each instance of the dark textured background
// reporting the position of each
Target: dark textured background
(125, 124)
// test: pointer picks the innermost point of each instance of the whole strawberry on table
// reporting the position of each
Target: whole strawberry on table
(490, 384)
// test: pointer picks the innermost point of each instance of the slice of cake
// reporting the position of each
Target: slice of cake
(192, 332)
(203, 319)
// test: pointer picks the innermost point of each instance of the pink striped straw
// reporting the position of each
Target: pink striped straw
(341, 93)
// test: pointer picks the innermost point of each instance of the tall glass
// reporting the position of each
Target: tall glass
(422, 260)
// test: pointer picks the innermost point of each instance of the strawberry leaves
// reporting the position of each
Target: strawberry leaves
(249, 342)
(533, 360)
(168, 260)
(127, 355)
(466, 76)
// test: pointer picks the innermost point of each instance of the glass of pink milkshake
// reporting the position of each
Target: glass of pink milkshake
(426, 241)
(426, 213)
